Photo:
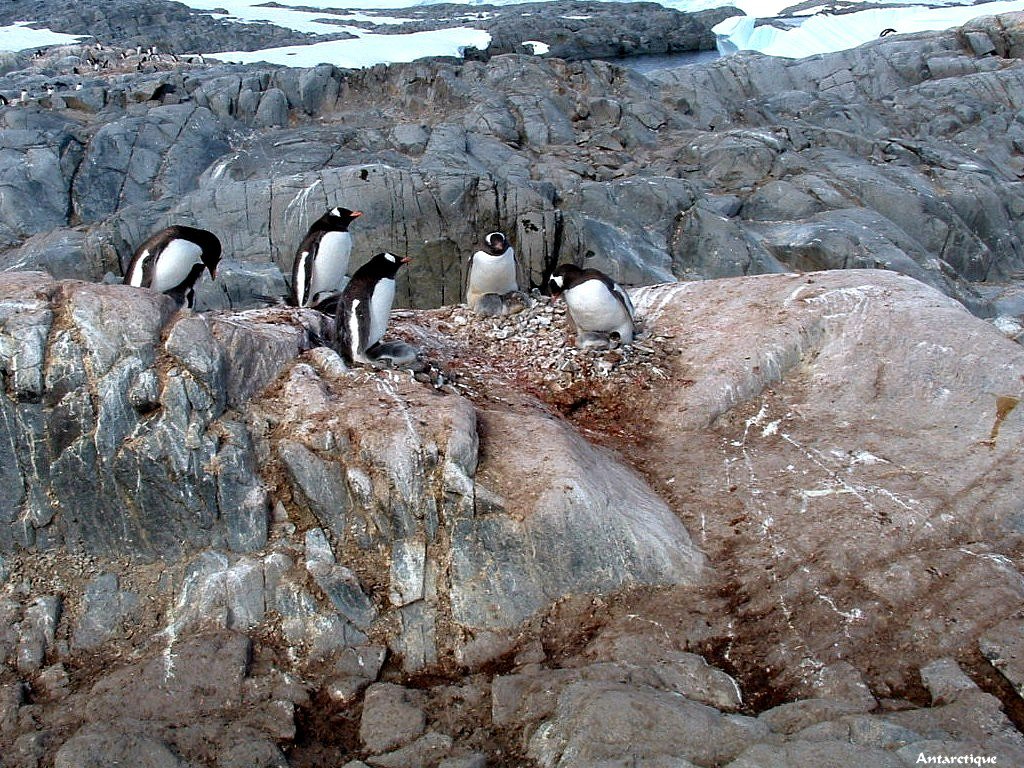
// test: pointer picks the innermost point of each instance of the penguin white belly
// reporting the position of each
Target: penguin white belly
(594, 308)
(174, 263)
(331, 262)
(380, 309)
(492, 274)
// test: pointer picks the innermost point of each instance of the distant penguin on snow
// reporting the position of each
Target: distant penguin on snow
(322, 258)
(492, 277)
(172, 260)
(599, 308)
(364, 311)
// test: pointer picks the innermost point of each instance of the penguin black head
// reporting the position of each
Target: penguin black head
(562, 278)
(496, 243)
(210, 245)
(337, 219)
(383, 265)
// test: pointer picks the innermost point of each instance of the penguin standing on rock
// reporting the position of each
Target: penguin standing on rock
(172, 260)
(363, 313)
(492, 277)
(598, 307)
(322, 258)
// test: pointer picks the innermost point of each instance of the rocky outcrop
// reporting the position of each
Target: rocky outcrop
(744, 165)
(170, 26)
(357, 528)
(585, 30)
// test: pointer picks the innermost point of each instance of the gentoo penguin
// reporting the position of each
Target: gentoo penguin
(492, 275)
(322, 258)
(365, 307)
(172, 260)
(598, 307)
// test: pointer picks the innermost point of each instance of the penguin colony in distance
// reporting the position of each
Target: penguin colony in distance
(598, 306)
(492, 277)
(321, 261)
(172, 260)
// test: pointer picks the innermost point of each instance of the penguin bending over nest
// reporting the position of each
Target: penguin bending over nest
(172, 260)
(321, 261)
(491, 288)
(599, 308)
(363, 313)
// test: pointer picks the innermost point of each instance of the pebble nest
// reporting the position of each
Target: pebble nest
(532, 351)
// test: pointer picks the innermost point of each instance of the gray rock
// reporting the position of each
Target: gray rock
(240, 286)
(877, 732)
(104, 607)
(137, 159)
(345, 593)
(252, 754)
(805, 754)
(63, 253)
(530, 548)
(426, 751)
(96, 747)
(408, 564)
(797, 715)
(321, 486)
(600, 721)
(474, 760)
(273, 109)
(945, 681)
(392, 717)
(1002, 645)
(37, 632)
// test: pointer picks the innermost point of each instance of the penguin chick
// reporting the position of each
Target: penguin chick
(172, 260)
(322, 258)
(598, 307)
(365, 307)
(492, 275)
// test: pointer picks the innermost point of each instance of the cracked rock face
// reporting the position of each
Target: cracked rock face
(117, 434)
(901, 155)
(365, 530)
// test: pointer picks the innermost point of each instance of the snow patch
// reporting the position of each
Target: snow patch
(825, 33)
(19, 37)
(367, 49)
